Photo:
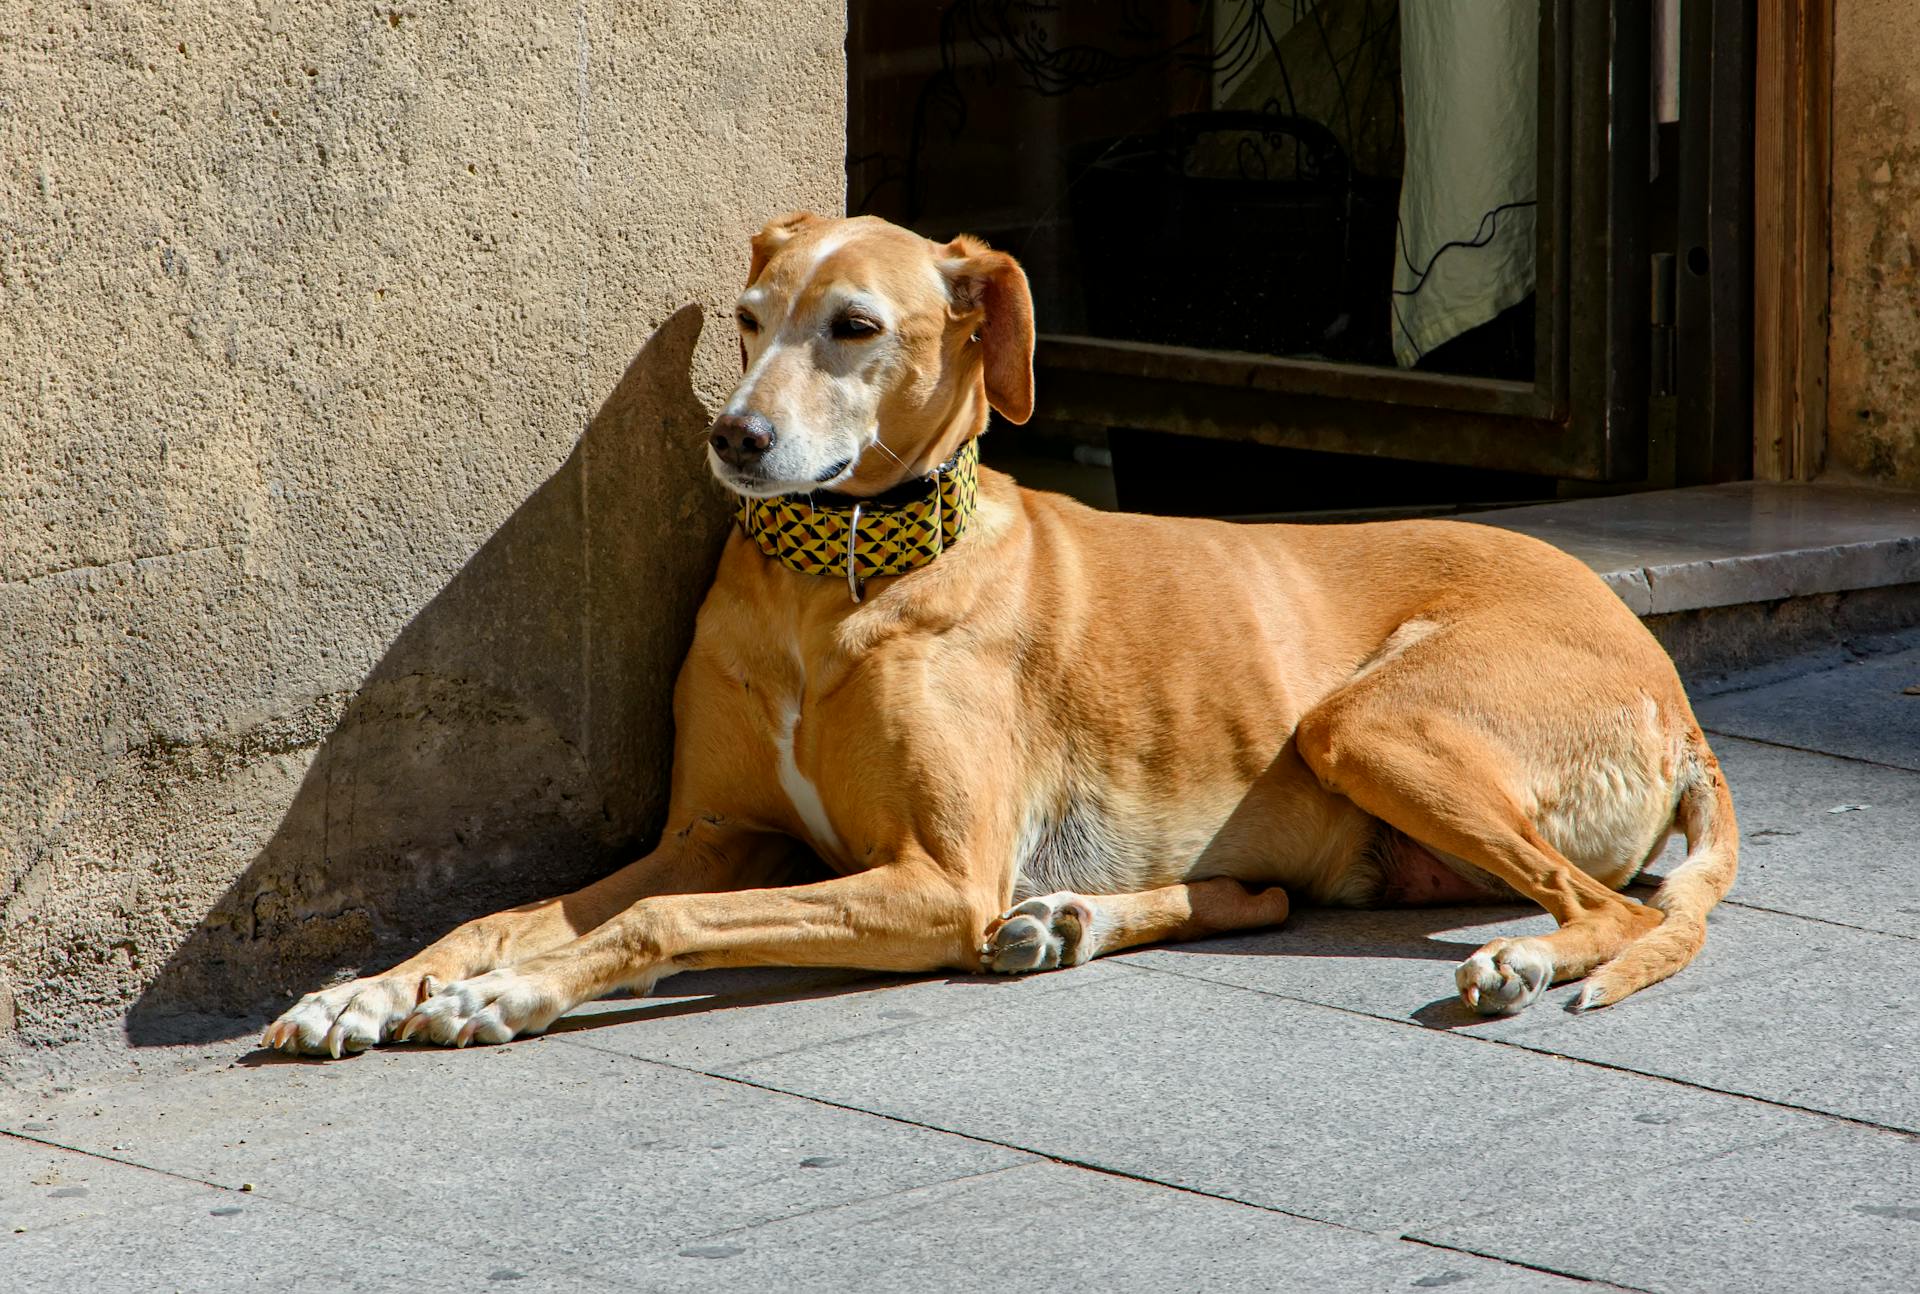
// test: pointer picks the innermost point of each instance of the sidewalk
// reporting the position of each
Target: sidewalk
(1303, 1109)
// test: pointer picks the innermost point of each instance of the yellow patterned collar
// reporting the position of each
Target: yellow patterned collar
(824, 533)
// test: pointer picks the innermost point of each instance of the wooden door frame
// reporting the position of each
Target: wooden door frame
(1792, 248)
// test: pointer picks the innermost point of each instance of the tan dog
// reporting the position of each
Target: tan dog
(1076, 732)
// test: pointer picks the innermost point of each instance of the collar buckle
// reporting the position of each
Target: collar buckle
(856, 586)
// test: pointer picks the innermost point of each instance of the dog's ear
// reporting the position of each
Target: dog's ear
(777, 234)
(774, 235)
(993, 286)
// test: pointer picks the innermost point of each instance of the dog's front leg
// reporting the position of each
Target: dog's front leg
(907, 915)
(704, 854)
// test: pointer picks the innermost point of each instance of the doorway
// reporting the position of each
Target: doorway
(1342, 252)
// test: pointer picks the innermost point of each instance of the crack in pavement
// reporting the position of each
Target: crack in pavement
(836, 1205)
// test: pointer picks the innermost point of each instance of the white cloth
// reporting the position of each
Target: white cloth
(1470, 70)
(1666, 65)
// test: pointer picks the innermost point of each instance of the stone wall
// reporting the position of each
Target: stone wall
(354, 364)
(1874, 354)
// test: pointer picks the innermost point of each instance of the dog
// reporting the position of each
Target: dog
(1021, 733)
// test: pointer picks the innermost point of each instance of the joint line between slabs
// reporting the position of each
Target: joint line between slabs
(1599, 1281)
(299, 1206)
(1548, 1052)
(1806, 750)
(43, 1143)
(1820, 921)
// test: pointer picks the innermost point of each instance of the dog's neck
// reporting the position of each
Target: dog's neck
(911, 443)
(838, 536)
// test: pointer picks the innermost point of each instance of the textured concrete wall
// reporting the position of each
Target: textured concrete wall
(352, 375)
(1874, 355)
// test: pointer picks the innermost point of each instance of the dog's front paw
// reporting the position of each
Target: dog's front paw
(347, 1017)
(1505, 977)
(494, 1007)
(1040, 934)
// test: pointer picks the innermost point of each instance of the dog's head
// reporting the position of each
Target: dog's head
(871, 355)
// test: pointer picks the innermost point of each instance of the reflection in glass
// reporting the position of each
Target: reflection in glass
(1348, 180)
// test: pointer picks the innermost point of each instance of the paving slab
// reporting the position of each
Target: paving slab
(1776, 1007)
(1860, 709)
(1303, 1108)
(1832, 1208)
(220, 1241)
(540, 1150)
(1738, 1127)
(1060, 1229)
(1798, 855)
(1783, 1009)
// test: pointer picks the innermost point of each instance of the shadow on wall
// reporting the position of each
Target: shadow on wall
(514, 742)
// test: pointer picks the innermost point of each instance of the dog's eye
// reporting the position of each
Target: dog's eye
(854, 328)
(747, 322)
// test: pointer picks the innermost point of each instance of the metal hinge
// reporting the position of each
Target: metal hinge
(1662, 322)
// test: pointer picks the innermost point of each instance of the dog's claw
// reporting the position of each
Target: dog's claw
(343, 1019)
(1592, 997)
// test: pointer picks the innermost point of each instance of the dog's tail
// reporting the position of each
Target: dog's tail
(1705, 816)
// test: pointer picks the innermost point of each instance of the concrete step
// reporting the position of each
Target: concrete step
(1723, 545)
(1748, 583)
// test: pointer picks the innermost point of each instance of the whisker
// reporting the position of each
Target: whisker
(890, 454)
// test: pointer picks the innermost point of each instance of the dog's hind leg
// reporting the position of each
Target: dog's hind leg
(704, 855)
(1063, 929)
(1443, 759)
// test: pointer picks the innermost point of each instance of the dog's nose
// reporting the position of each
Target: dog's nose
(741, 438)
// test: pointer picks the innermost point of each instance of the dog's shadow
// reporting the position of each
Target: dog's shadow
(512, 743)
(1313, 935)
(1380, 935)
(1391, 935)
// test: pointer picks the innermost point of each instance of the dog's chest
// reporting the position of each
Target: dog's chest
(801, 791)
(1078, 847)
(773, 685)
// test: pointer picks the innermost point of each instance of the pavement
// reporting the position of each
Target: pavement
(1301, 1109)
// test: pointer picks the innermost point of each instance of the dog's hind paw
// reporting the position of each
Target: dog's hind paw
(1041, 934)
(347, 1017)
(1505, 977)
